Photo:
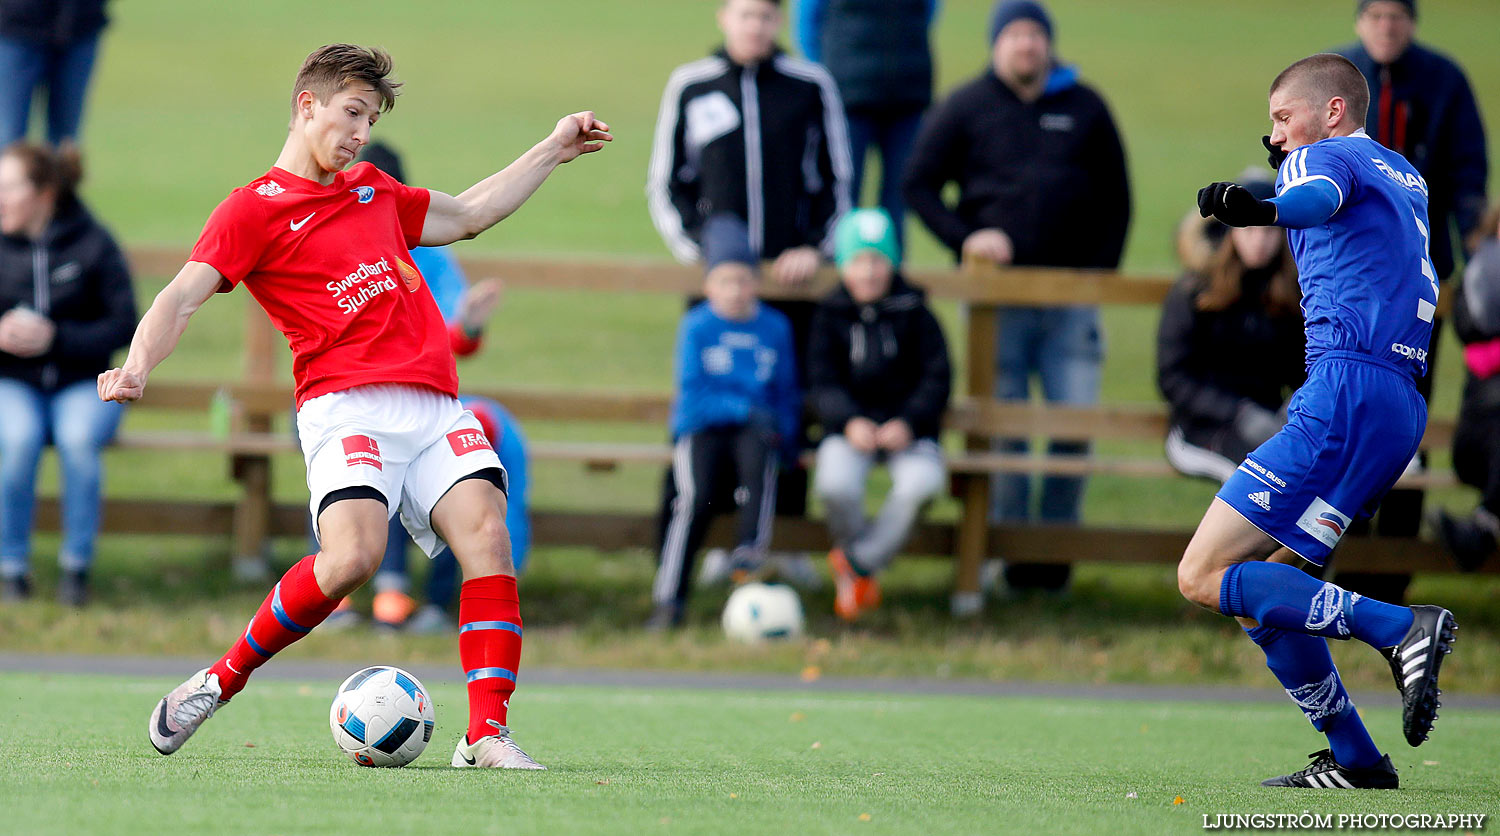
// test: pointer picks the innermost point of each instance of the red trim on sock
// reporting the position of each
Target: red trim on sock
(490, 598)
(302, 602)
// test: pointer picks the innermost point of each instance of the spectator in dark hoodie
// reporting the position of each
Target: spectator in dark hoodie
(1229, 348)
(67, 306)
(1041, 182)
(737, 410)
(879, 381)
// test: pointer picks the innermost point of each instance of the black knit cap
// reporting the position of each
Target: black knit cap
(1411, 6)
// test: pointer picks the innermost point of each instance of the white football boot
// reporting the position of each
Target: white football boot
(183, 710)
(493, 751)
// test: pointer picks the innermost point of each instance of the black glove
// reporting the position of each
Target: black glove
(1277, 156)
(1234, 205)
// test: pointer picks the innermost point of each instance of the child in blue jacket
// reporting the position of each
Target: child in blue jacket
(736, 411)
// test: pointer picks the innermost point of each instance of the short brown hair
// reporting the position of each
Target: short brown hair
(332, 68)
(1223, 282)
(59, 169)
(1325, 76)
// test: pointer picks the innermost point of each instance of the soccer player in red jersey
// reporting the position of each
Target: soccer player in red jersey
(326, 252)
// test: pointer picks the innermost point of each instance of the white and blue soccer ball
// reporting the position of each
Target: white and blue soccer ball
(758, 612)
(382, 716)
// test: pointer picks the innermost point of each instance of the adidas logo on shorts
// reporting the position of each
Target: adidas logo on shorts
(1263, 499)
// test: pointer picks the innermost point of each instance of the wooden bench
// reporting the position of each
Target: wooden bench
(261, 395)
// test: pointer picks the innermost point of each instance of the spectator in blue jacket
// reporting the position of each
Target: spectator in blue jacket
(736, 410)
(879, 54)
(466, 308)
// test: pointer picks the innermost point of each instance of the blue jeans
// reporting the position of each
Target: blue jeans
(63, 71)
(78, 424)
(1065, 347)
(893, 133)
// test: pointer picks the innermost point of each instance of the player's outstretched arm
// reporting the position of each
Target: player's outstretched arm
(494, 198)
(160, 328)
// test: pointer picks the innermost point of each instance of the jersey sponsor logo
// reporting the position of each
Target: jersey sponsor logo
(1324, 522)
(1418, 354)
(296, 225)
(468, 441)
(1263, 499)
(410, 275)
(270, 188)
(364, 193)
(362, 449)
(1266, 475)
(371, 280)
(66, 273)
(1410, 181)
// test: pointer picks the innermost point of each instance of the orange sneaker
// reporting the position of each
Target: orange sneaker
(392, 607)
(854, 594)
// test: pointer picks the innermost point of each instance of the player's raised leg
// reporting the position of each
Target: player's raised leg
(1225, 542)
(351, 527)
(471, 519)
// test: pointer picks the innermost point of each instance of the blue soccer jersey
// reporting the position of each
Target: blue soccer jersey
(1368, 285)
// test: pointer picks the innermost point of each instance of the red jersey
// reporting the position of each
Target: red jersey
(332, 267)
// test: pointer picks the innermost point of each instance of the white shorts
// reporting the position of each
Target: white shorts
(411, 444)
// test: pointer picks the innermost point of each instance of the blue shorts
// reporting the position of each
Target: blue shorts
(1351, 431)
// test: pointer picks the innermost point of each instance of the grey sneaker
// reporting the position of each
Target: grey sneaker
(714, 568)
(430, 620)
(493, 751)
(183, 710)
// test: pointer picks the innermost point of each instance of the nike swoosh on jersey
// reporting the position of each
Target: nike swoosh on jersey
(296, 225)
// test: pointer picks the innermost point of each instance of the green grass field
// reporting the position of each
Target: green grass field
(642, 760)
(190, 102)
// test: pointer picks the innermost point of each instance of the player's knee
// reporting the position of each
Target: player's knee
(1195, 584)
(351, 563)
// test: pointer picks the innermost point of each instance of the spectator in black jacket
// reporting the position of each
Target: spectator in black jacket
(67, 305)
(878, 52)
(1041, 182)
(47, 45)
(1476, 440)
(1229, 349)
(879, 382)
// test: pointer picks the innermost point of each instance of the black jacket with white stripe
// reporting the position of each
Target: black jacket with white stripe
(764, 141)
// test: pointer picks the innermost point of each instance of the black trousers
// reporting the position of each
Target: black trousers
(742, 458)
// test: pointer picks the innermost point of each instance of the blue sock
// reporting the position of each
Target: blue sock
(1283, 596)
(1305, 669)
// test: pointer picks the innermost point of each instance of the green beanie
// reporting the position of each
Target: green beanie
(865, 229)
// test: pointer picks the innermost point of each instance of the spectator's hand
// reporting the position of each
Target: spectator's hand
(894, 435)
(479, 301)
(861, 433)
(26, 333)
(120, 385)
(1233, 205)
(577, 134)
(991, 245)
(1276, 156)
(796, 265)
(1256, 424)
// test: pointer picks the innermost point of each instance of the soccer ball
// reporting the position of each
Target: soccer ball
(381, 716)
(757, 612)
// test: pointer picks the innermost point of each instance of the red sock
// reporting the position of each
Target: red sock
(294, 607)
(489, 646)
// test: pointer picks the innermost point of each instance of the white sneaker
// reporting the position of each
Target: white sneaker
(185, 708)
(493, 751)
(715, 568)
